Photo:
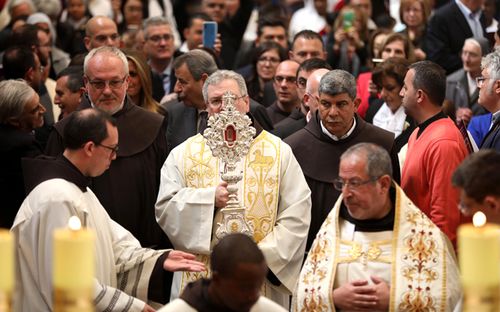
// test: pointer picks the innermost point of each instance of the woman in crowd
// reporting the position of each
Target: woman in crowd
(266, 59)
(387, 112)
(139, 87)
(395, 45)
(414, 14)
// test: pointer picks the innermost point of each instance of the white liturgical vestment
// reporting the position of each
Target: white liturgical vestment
(122, 267)
(273, 190)
(415, 259)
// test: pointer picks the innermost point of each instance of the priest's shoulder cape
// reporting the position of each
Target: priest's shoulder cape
(128, 189)
(126, 275)
(422, 269)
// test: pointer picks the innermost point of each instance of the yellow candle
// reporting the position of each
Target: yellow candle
(479, 253)
(73, 257)
(6, 262)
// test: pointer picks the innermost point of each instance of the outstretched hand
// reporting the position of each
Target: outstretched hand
(182, 261)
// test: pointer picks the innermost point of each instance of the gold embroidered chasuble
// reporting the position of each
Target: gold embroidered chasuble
(416, 260)
(273, 190)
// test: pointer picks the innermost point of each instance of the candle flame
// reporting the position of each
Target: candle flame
(479, 219)
(74, 223)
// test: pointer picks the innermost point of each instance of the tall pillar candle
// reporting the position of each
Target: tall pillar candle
(73, 268)
(479, 257)
(6, 270)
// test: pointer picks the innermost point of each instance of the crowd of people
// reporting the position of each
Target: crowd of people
(377, 134)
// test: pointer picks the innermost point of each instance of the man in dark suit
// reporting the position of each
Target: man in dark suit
(160, 51)
(489, 97)
(188, 115)
(448, 29)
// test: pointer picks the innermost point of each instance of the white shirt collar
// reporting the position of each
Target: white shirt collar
(334, 137)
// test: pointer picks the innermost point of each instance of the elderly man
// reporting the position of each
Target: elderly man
(273, 190)
(20, 113)
(435, 148)
(128, 190)
(376, 249)
(479, 187)
(101, 31)
(461, 87)
(489, 97)
(333, 129)
(126, 275)
(307, 44)
(285, 88)
(69, 89)
(159, 49)
(235, 283)
(188, 115)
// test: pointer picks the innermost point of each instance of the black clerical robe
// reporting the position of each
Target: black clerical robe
(14, 145)
(319, 158)
(128, 189)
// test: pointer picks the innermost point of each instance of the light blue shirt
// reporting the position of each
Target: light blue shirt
(472, 19)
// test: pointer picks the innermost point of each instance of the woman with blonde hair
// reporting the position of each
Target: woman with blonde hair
(139, 87)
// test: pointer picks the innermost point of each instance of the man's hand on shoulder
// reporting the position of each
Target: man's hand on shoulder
(355, 296)
(182, 261)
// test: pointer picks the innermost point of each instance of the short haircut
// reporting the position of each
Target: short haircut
(269, 22)
(17, 61)
(491, 62)
(15, 3)
(154, 21)
(198, 62)
(199, 15)
(482, 43)
(478, 175)
(75, 77)
(394, 67)
(232, 250)
(378, 161)
(313, 64)
(26, 35)
(309, 35)
(14, 94)
(336, 82)
(105, 50)
(222, 75)
(87, 125)
(431, 78)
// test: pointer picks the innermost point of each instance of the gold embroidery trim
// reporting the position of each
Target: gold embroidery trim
(371, 254)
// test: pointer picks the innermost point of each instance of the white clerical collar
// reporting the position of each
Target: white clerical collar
(334, 137)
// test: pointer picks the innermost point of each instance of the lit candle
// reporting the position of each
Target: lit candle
(479, 257)
(73, 267)
(6, 270)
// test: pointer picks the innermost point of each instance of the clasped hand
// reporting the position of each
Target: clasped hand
(360, 296)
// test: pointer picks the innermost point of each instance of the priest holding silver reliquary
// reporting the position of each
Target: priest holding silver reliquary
(236, 177)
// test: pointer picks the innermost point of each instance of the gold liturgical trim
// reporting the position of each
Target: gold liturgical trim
(357, 253)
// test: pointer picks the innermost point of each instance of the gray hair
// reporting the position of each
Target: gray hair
(14, 94)
(15, 3)
(154, 21)
(50, 7)
(378, 161)
(492, 63)
(221, 75)
(105, 50)
(336, 82)
(198, 62)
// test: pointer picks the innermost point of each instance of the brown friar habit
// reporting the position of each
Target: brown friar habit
(319, 158)
(128, 189)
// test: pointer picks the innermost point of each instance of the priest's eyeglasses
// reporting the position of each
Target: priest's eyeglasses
(339, 183)
(101, 84)
(113, 149)
(217, 102)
